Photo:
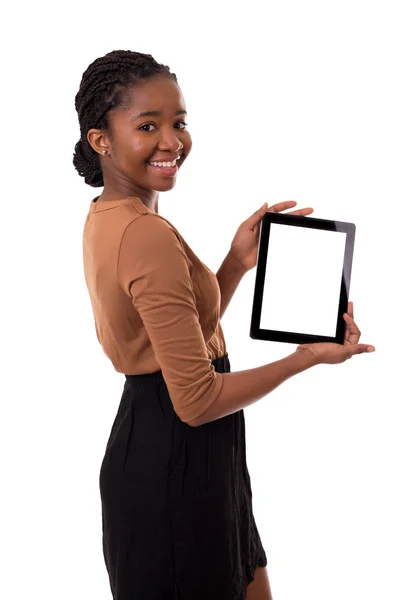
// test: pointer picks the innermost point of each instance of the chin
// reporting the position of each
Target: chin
(164, 186)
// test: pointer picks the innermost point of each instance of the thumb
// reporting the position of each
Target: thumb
(359, 349)
(257, 215)
(261, 211)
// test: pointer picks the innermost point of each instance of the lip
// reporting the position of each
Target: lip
(164, 159)
(164, 171)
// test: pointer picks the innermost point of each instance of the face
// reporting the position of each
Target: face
(139, 139)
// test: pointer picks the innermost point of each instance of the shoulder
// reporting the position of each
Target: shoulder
(150, 229)
(151, 253)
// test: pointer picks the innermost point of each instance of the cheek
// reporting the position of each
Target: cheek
(187, 141)
(135, 145)
(133, 155)
(140, 149)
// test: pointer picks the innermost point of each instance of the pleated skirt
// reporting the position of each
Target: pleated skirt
(177, 517)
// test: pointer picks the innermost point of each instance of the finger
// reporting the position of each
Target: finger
(256, 217)
(359, 349)
(302, 212)
(350, 309)
(352, 334)
(282, 206)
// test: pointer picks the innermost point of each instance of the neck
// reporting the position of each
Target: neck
(149, 197)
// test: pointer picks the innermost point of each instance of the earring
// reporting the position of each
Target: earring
(105, 151)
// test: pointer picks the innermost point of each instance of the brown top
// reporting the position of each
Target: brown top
(156, 306)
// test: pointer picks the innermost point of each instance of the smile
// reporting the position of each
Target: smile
(164, 170)
(164, 164)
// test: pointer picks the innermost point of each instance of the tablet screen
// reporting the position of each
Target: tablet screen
(303, 280)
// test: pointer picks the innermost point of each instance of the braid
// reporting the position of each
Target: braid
(104, 85)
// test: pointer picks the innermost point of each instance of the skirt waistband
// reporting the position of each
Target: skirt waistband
(221, 365)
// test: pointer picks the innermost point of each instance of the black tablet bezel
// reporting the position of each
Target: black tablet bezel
(313, 223)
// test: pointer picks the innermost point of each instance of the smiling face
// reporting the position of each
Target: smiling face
(151, 127)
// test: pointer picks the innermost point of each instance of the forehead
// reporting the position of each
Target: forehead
(159, 93)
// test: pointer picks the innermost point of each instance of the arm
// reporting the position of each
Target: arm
(229, 276)
(242, 388)
(154, 272)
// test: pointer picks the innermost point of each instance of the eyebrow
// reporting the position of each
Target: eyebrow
(156, 113)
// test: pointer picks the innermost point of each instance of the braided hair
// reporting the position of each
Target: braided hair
(106, 84)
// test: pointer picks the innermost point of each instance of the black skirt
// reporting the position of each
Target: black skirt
(176, 501)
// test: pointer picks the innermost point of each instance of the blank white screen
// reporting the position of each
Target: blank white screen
(302, 280)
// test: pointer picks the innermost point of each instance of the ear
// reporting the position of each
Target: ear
(98, 140)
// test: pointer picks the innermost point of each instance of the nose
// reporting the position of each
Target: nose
(170, 142)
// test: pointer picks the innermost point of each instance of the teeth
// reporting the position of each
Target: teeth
(164, 164)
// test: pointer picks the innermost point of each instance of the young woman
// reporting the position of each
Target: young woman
(176, 498)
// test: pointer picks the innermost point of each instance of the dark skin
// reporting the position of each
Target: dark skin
(126, 173)
(134, 141)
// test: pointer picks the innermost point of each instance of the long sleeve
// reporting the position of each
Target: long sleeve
(154, 271)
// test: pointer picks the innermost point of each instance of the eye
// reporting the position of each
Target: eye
(146, 125)
(151, 125)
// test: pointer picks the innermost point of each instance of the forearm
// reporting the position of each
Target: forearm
(229, 276)
(243, 388)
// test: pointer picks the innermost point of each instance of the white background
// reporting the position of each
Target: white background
(286, 100)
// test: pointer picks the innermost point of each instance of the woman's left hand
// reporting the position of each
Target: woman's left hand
(244, 245)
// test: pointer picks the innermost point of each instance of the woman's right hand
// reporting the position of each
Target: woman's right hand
(329, 353)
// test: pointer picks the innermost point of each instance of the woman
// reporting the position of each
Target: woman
(175, 490)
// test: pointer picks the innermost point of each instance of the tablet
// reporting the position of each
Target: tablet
(302, 280)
